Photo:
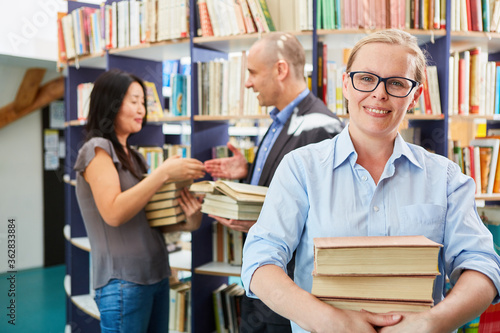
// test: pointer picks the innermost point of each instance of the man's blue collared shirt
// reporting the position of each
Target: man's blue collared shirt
(279, 120)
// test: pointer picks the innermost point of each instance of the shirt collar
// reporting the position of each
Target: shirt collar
(344, 149)
(282, 116)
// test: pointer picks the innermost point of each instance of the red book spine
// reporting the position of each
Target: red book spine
(60, 40)
(206, 25)
(325, 73)
(463, 108)
(427, 97)
(476, 18)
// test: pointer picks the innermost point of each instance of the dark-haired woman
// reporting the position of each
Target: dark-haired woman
(129, 258)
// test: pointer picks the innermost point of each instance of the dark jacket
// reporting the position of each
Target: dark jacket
(310, 122)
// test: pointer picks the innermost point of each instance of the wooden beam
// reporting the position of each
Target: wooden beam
(49, 92)
(28, 89)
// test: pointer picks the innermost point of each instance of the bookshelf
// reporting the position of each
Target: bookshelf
(205, 132)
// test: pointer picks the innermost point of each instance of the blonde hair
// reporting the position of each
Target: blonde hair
(394, 37)
(284, 46)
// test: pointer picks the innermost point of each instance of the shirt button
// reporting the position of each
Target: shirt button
(375, 208)
(364, 178)
(274, 130)
(265, 148)
(258, 169)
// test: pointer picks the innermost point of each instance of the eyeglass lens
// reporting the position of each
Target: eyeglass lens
(396, 86)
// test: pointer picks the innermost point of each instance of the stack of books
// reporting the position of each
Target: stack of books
(376, 273)
(227, 307)
(163, 208)
(231, 200)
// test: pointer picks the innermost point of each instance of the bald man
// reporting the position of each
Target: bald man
(276, 72)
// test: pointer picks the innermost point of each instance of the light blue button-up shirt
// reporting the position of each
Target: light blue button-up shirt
(279, 120)
(320, 191)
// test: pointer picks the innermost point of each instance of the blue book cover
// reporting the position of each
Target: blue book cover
(497, 92)
(178, 106)
(338, 16)
(169, 67)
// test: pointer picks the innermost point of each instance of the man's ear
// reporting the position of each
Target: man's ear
(283, 69)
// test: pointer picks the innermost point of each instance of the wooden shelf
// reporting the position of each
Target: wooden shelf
(75, 122)
(346, 38)
(168, 119)
(180, 260)
(488, 197)
(69, 181)
(218, 269)
(85, 303)
(238, 43)
(153, 120)
(410, 116)
(222, 118)
(156, 51)
(97, 60)
(472, 117)
(465, 40)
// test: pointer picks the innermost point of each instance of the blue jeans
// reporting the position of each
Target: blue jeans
(130, 307)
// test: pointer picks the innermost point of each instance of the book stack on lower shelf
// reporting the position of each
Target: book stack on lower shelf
(378, 273)
(227, 310)
(163, 208)
(180, 305)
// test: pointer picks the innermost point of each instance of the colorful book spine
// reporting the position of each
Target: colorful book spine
(206, 25)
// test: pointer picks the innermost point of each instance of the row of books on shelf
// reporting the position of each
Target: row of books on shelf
(227, 244)
(221, 88)
(180, 307)
(225, 18)
(246, 147)
(227, 307)
(89, 30)
(375, 273)
(381, 14)
(475, 15)
(475, 83)
(229, 17)
(479, 160)
(179, 101)
(156, 155)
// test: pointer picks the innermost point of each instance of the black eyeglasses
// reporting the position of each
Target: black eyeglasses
(395, 86)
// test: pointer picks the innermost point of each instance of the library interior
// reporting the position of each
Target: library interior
(192, 59)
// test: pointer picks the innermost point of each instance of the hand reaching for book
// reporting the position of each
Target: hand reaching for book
(177, 168)
(192, 209)
(235, 167)
(238, 225)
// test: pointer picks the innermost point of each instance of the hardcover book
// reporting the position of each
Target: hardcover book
(376, 306)
(403, 255)
(381, 287)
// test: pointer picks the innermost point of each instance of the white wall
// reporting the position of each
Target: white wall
(28, 31)
(29, 27)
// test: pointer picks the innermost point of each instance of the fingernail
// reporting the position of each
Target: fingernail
(396, 317)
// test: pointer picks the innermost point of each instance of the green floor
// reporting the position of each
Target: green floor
(40, 301)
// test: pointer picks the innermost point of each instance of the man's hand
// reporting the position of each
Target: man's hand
(234, 167)
(238, 225)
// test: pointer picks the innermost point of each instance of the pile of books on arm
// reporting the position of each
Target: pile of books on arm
(163, 208)
(376, 273)
(231, 200)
